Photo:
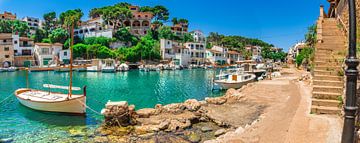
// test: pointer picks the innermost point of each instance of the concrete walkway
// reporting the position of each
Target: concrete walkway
(287, 118)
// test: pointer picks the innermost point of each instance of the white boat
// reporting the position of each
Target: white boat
(11, 69)
(233, 78)
(123, 67)
(92, 69)
(108, 66)
(2, 69)
(52, 101)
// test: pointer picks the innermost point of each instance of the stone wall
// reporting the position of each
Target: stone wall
(342, 12)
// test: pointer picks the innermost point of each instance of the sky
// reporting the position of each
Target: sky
(279, 22)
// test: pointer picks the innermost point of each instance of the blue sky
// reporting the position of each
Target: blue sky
(280, 22)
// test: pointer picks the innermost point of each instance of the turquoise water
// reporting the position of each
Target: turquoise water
(143, 89)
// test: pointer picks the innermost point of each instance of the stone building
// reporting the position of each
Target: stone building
(23, 51)
(6, 50)
(33, 23)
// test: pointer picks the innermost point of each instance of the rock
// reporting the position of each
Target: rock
(164, 125)
(230, 92)
(145, 113)
(76, 133)
(6, 140)
(146, 136)
(216, 101)
(202, 103)
(206, 129)
(132, 108)
(118, 114)
(192, 104)
(140, 130)
(158, 106)
(174, 108)
(239, 130)
(101, 139)
(111, 104)
(176, 125)
(193, 137)
(219, 132)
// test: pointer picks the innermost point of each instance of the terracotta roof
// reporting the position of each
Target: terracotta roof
(58, 44)
(4, 36)
(43, 44)
(233, 52)
(214, 51)
(25, 39)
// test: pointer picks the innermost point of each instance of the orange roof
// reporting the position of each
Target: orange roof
(214, 51)
(25, 39)
(233, 52)
(4, 36)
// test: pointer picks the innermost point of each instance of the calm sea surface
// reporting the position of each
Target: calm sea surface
(143, 89)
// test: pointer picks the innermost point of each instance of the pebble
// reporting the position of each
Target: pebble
(220, 132)
(206, 129)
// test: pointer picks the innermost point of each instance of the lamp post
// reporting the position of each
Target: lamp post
(348, 135)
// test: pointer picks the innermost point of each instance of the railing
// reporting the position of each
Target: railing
(341, 7)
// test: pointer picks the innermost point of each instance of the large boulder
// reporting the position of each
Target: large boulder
(117, 114)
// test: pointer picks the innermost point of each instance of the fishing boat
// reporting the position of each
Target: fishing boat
(233, 78)
(54, 101)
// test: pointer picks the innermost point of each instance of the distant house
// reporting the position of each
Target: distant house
(7, 16)
(198, 36)
(180, 28)
(64, 56)
(33, 23)
(46, 54)
(255, 51)
(139, 24)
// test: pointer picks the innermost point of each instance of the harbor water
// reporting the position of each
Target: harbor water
(143, 89)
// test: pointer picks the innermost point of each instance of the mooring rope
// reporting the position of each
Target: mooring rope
(6, 99)
(88, 107)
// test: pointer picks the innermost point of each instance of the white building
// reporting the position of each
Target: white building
(33, 23)
(46, 53)
(198, 36)
(64, 56)
(174, 51)
(215, 57)
(198, 52)
(255, 51)
(93, 28)
(23, 46)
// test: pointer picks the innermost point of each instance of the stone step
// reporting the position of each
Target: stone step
(328, 83)
(327, 68)
(327, 63)
(326, 95)
(331, 89)
(324, 72)
(325, 102)
(326, 77)
(332, 33)
(325, 110)
(329, 59)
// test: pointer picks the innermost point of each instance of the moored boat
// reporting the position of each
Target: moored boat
(52, 101)
(234, 78)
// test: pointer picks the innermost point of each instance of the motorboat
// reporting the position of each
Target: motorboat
(233, 78)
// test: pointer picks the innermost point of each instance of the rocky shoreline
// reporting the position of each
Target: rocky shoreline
(191, 121)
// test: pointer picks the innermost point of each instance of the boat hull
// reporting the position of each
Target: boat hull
(73, 106)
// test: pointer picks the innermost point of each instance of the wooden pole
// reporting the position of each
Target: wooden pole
(71, 58)
(27, 78)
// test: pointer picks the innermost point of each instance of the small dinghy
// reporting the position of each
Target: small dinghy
(52, 101)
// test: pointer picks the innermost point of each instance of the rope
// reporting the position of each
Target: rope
(6, 98)
(88, 107)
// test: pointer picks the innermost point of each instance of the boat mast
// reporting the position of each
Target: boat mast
(71, 58)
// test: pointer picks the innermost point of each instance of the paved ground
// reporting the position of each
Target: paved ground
(287, 118)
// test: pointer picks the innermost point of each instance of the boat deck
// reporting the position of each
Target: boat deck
(43, 96)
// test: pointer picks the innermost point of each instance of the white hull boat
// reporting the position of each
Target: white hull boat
(108, 69)
(51, 101)
(92, 69)
(233, 80)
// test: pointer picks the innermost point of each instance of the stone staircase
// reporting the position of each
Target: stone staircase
(328, 81)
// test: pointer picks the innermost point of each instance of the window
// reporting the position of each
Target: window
(65, 53)
(146, 15)
(7, 56)
(45, 51)
(15, 42)
(6, 49)
(15, 51)
(168, 42)
(4, 41)
(26, 52)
